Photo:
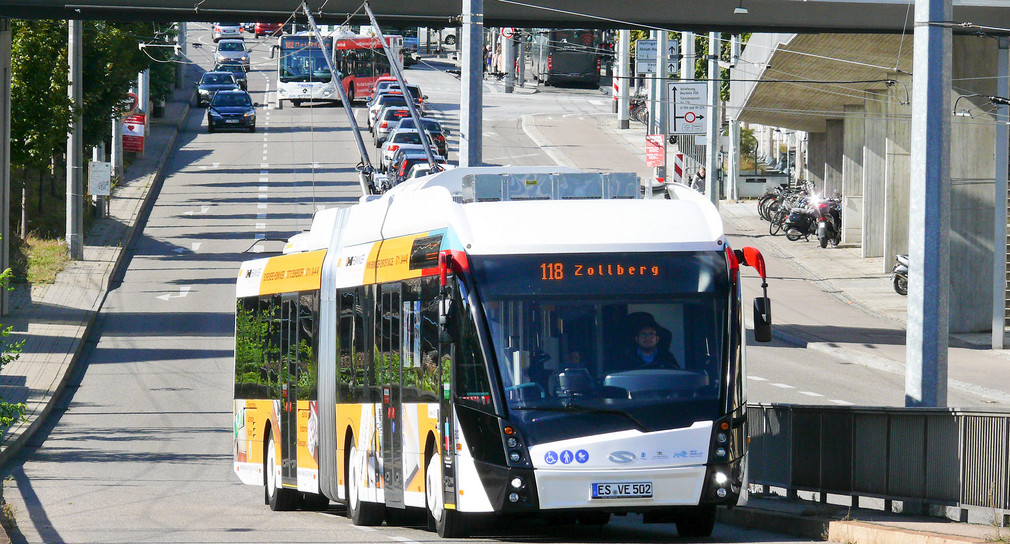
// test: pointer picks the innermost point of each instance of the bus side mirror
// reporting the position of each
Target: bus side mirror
(762, 319)
(445, 310)
(273, 49)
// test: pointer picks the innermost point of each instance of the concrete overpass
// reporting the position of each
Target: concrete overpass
(861, 16)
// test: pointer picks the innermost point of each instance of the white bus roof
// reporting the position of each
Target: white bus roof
(687, 222)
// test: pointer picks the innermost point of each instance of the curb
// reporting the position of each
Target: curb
(153, 186)
(775, 522)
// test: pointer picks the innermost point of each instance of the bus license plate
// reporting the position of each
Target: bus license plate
(621, 490)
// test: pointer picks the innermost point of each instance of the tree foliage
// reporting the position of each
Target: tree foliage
(10, 412)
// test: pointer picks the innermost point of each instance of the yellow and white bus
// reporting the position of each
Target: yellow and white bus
(461, 344)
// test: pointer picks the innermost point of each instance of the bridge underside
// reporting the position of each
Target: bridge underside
(887, 16)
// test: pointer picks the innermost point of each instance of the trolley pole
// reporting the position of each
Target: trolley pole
(75, 145)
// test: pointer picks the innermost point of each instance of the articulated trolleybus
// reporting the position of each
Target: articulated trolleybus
(466, 344)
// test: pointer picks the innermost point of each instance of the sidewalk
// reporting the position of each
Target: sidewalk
(55, 320)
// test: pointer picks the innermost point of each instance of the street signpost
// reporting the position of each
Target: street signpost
(645, 57)
(99, 178)
(507, 32)
(689, 107)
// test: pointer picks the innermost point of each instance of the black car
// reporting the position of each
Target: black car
(211, 83)
(236, 70)
(404, 160)
(232, 109)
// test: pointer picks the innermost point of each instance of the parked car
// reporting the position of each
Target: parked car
(388, 118)
(211, 83)
(232, 50)
(226, 30)
(236, 71)
(401, 139)
(262, 29)
(411, 161)
(231, 110)
(434, 128)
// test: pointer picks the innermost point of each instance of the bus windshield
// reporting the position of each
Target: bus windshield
(303, 65)
(620, 340)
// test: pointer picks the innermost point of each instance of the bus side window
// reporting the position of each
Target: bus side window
(270, 307)
(347, 386)
(308, 375)
(250, 374)
(429, 376)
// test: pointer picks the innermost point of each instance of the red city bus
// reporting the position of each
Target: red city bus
(361, 60)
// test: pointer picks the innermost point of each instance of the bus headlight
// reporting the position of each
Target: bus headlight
(515, 456)
(513, 497)
(517, 482)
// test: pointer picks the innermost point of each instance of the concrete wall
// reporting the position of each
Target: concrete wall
(874, 169)
(972, 191)
(834, 141)
(815, 160)
(897, 174)
(853, 132)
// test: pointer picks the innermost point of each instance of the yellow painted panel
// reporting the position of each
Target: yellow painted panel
(257, 414)
(308, 434)
(292, 273)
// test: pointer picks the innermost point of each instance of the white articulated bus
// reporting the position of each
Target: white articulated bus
(466, 343)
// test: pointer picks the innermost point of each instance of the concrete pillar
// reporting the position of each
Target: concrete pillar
(471, 84)
(974, 141)
(999, 279)
(5, 155)
(816, 143)
(624, 78)
(734, 157)
(852, 174)
(662, 101)
(509, 53)
(116, 152)
(801, 158)
(834, 141)
(75, 151)
(897, 177)
(929, 218)
(874, 171)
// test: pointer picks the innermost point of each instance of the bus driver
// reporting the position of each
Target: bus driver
(646, 353)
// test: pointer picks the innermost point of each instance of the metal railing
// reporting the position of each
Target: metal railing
(938, 456)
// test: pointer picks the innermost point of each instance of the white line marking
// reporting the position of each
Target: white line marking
(196, 246)
(261, 226)
(811, 394)
(366, 529)
(783, 385)
(262, 197)
(842, 402)
(262, 206)
(757, 378)
(183, 291)
(264, 165)
(264, 179)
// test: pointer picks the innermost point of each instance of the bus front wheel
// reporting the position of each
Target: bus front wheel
(449, 523)
(360, 512)
(697, 523)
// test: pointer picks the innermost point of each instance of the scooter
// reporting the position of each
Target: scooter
(799, 224)
(899, 274)
(829, 222)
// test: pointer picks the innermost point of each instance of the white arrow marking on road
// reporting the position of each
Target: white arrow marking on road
(183, 291)
(196, 246)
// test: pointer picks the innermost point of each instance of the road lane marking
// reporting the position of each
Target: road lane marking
(261, 226)
(811, 394)
(757, 378)
(262, 206)
(842, 402)
(783, 385)
(183, 291)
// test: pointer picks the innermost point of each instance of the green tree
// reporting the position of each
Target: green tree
(10, 412)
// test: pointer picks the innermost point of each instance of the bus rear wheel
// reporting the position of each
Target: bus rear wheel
(448, 523)
(276, 496)
(360, 512)
(697, 523)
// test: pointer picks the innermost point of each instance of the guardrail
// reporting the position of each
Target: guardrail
(933, 456)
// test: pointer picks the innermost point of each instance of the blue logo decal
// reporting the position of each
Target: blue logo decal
(566, 457)
(551, 458)
(582, 456)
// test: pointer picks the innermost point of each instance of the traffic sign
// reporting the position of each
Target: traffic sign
(689, 107)
(645, 56)
(507, 32)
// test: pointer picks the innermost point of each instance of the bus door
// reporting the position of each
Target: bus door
(289, 379)
(391, 379)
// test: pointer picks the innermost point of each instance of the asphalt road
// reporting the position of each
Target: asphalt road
(140, 448)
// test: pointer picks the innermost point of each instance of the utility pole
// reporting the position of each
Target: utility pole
(509, 52)
(929, 208)
(712, 128)
(661, 112)
(5, 155)
(471, 84)
(623, 78)
(75, 148)
(734, 129)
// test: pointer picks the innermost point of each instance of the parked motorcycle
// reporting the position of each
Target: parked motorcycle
(801, 223)
(829, 221)
(899, 274)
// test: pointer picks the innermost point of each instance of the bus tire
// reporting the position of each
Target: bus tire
(448, 523)
(697, 523)
(358, 511)
(278, 498)
(296, 103)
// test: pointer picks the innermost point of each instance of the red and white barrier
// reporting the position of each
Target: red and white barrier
(678, 168)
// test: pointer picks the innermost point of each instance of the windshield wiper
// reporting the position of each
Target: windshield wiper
(571, 407)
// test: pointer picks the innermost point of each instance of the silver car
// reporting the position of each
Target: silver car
(226, 30)
(232, 51)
